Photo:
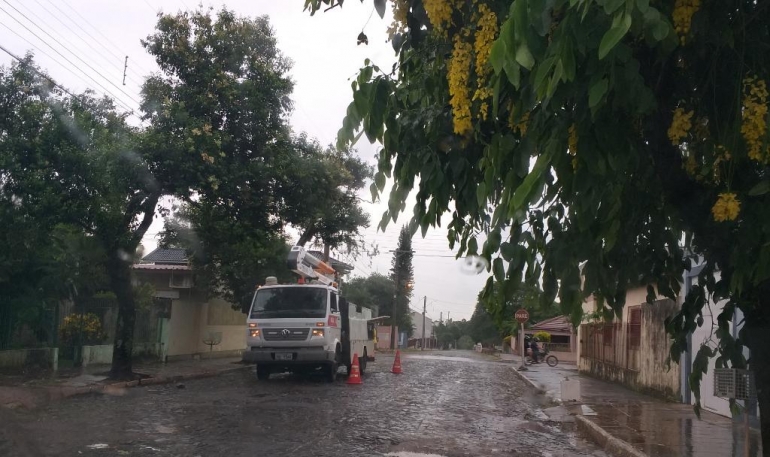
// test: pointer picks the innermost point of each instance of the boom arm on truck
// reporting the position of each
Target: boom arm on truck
(308, 266)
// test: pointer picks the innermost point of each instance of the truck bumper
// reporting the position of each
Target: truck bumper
(299, 356)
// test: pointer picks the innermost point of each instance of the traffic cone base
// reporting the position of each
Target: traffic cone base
(354, 377)
(397, 363)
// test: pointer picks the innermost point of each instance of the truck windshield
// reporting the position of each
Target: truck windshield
(287, 302)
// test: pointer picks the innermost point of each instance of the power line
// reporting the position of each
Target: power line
(117, 101)
(106, 59)
(34, 69)
(156, 11)
(77, 24)
(55, 50)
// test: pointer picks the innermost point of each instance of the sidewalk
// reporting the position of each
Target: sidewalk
(25, 392)
(628, 423)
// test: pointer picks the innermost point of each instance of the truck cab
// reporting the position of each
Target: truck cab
(306, 326)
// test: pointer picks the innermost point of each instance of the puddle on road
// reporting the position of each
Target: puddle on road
(449, 358)
(411, 454)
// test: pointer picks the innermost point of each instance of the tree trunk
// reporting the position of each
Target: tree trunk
(120, 281)
(758, 339)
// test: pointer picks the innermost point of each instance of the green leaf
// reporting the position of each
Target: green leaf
(524, 56)
(379, 5)
(473, 246)
(610, 6)
(481, 194)
(522, 192)
(375, 192)
(494, 241)
(497, 55)
(379, 179)
(508, 250)
(568, 60)
(558, 72)
(499, 269)
(513, 72)
(661, 30)
(542, 72)
(643, 5)
(760, 189)
(612, 37)
(597, 91)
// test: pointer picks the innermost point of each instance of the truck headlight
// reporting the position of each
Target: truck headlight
(254, 332)
(318, 332)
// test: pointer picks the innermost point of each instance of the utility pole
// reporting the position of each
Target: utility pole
(393, 327)
(424, 307)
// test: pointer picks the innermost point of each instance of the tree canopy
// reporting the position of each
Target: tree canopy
(597, 144)
(219, 112)
(75, 175)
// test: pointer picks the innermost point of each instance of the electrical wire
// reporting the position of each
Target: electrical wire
(117, 101)
(121, 68)
(71, 63)
(120, 54)
(34, 69)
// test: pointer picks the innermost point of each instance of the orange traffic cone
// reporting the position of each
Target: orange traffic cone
(397, 363)
(354, 377)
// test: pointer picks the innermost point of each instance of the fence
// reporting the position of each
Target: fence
(559, 347)
(27, 324)
(616, 344)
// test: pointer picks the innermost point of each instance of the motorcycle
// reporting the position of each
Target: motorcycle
(543, 355)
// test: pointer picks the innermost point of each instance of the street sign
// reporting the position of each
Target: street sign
(521, 316)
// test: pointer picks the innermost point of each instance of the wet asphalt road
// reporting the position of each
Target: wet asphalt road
(447, 404)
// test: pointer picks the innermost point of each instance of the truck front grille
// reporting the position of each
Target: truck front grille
(286, 334)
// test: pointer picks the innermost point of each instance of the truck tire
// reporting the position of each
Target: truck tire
(263, 373)
(330, 372)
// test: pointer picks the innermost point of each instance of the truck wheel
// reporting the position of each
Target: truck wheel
(263, 374)
(331, 372)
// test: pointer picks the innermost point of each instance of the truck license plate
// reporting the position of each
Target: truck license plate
(283, 356)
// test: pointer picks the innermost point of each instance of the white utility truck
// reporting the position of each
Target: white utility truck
(308, 325)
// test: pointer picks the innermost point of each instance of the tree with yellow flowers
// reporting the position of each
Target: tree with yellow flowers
(595, 145)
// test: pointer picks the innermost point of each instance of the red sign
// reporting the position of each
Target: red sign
(521, 316)
(332, 322)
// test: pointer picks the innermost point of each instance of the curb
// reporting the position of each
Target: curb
(64, 392)
(605, 440)
(528, 381)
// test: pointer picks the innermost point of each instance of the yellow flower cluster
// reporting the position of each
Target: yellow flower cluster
(680, 125)
(400, 10)
(85, 328)
(458, 75)
(439, 13)
(691, 165)
(682, 16)
(754, 115)
(572, 139)
(521, 125)
(721, 155)
(726, 208)
(486, 32)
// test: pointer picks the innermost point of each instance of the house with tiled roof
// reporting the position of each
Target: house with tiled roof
(190, 324)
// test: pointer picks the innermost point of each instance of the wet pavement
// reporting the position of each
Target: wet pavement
(448, 404)
(655, 427)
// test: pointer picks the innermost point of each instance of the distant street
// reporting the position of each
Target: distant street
(446, 403)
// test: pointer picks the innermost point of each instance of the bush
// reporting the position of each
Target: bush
(543, 336)
(465, 342)
(83, 328)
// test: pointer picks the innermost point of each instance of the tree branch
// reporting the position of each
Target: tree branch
(149, 214)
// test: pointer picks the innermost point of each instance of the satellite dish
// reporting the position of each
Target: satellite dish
(474, 265)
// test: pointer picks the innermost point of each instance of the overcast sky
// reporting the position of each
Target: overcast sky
(83, 44)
